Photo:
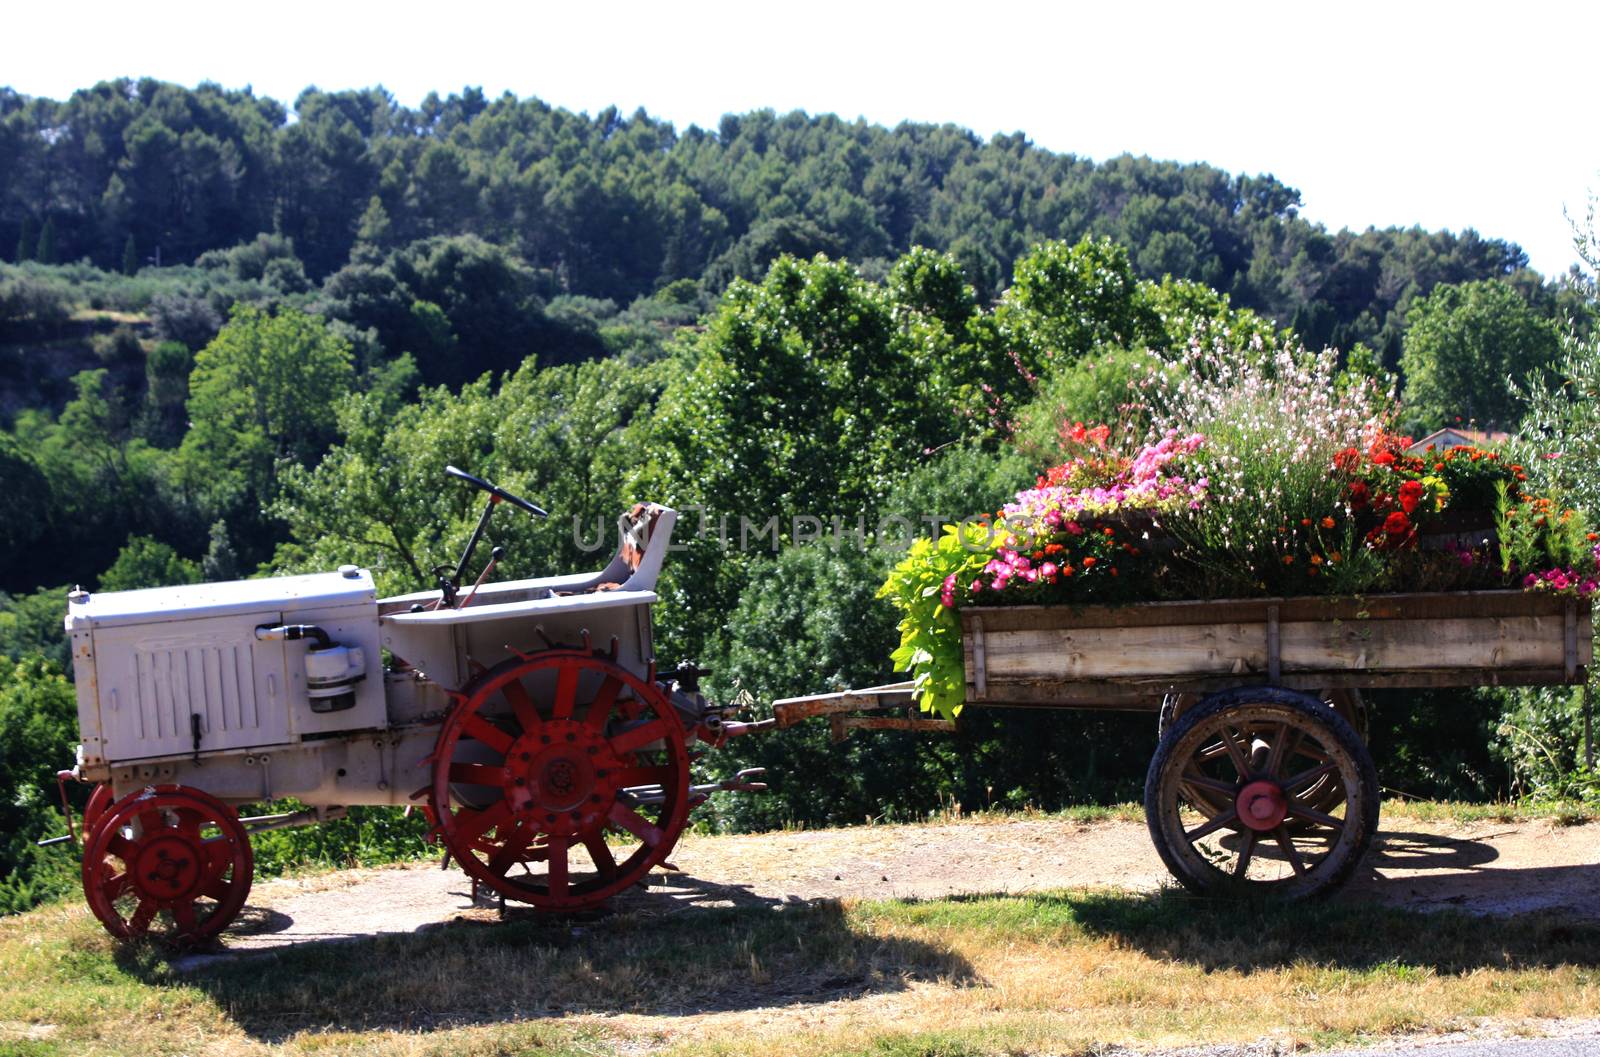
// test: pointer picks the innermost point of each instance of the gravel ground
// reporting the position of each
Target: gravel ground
(1489, 868)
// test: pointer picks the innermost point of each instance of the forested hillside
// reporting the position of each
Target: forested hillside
(238, 339)
(619, 207)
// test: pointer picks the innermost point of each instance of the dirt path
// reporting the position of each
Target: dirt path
(1481, 868)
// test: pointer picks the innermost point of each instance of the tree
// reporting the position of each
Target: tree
(221, 561)
(130, 256)
(264, 390)
(25, 239)
(46, 253)
(144, 562)
(1465, 346)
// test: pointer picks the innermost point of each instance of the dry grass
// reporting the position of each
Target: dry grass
(1055, 972)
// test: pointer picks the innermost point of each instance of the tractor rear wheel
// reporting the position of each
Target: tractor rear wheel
(560, 779)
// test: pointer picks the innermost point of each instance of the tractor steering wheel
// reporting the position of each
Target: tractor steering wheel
(496, 491)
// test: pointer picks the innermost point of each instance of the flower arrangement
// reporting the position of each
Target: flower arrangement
(1255, 478)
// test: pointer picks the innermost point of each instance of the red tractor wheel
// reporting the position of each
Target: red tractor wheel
(100, 798)
(167, 851)
(543, 757)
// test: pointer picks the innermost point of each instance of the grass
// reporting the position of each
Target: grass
(1057, 972)
(1052, 972)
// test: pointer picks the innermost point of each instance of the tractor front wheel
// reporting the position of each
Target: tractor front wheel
(168, 860)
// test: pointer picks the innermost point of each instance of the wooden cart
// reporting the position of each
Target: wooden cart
(1262, 779)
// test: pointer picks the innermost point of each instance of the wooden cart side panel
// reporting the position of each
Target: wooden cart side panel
(1126, 656)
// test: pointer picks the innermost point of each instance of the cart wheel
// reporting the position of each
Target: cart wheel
(1233, 772)
(546, 755)
(167, 854)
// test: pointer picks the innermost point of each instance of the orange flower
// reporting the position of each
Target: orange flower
(1327, 522)
(1088, 563)
(1438, 466)
(1305, 521)
(1113, 570)
(1316, 559)
(1288, 559)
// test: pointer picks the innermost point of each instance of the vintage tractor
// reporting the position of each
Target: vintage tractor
(527, 718)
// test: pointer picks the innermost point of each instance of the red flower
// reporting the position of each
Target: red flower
(1411, 494)
(1347, 461)
(1358, 494)
(1396, 524)
(1384, 458)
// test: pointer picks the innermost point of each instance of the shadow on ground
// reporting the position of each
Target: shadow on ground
(658, 952)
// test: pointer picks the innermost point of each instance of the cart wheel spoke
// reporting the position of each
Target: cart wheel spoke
(145, 913)
(635, 823)
(119, 846)
(512, 850)
(600, 853)
(558, 881)
(480, 729)
(632, 740)
(1284, 741)
(1305, 778)
(604, 700)
(151, 819)
(1246, 850)
(521, 705)
(566, 693)
(115, 886)
(1227, 818)
(1312, 815)
(1235, 753)
(183, 915)
(1286, 842)
(1216, 785)
(473, 824)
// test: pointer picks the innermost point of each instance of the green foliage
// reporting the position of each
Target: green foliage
(930, 631)
(262, 393)
(1464, 344)
(1540, 739)
(1096, 388)
(144, 562)
(30, 624)
(560, 436)
(28, 498)
(38, 727)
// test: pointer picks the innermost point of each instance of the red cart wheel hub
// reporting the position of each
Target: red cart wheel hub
(1262, 806)
(168, 867)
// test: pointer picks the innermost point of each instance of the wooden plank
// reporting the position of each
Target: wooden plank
(1373, 607)
(1184, 651)
(1147, 697)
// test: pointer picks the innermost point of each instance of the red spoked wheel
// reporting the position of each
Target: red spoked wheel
(100, 798)
(542, 759)
(167, 854)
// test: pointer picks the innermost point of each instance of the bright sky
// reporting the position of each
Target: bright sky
(1447, 115)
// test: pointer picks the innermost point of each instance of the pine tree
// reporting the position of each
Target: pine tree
(221, 561)
(47, 242)
(25, 240)
(130, 256)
